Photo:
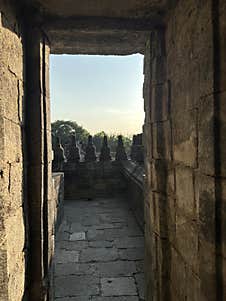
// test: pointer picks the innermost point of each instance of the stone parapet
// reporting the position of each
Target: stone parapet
(134, 175)
(55, 217)
(58, 197)
(93, 179)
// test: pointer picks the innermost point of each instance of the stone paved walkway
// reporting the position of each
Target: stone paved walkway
(99, 253)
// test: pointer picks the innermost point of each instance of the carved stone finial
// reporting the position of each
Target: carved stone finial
(133, 148)
(105, 154)
(120, 150)
(59, 156)
(73, 152)
(137, 149)
(90, 153)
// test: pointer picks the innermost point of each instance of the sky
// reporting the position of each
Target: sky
(100, 93)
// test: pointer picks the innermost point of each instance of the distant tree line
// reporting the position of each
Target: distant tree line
(65, 128)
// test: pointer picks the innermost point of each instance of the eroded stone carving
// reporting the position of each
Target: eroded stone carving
(59, 156)
(90, 152)
(73, 152)
(105, 154)
(137, 149)
(120, 150)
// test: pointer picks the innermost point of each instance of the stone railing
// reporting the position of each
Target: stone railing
(88, 175)
(55, 215)
(76, 155)
(134, 174)
(58, 198)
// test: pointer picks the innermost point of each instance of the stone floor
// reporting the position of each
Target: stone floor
(99, 253)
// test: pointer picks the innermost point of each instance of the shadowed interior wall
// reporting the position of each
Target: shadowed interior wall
(39, 148)
(26, 242)
(190, 71)
(12, 159)
(184, 126)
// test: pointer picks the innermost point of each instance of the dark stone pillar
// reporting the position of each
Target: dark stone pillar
(157, 138)
(38, 139)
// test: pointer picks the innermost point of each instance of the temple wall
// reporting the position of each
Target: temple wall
(26, 212)
(12, 159)
(189, 43)
(184, 204)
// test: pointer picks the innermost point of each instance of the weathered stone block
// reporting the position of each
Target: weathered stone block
(158, 70)
(178, 276)
(163, 177)
(13, 142)
(98, 254)
(164, 217)
(121, 298)
(185, 191)
(224, 276)
(140, 284)
(148, 216)
(147, 98)
(3, 274)
(183, 97)
(66, 256)
(185, 138)
(160, 99)
(220, 143)
(206, 134)
(14, 186)
(11, 95)
(148, 266)
(222, 30)
(192, 286)
(147, 57)
(162, 142)
(11, 50)
(76, 286)
(147, 141)
(187, 240)
(15, 253)
(115, 268)
(163, 256)
(205, 204)
(118, 286)
(221, 193)
(131, 254)
(207, 270)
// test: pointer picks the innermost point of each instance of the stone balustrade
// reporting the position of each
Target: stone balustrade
(77, 155)
(88, 174)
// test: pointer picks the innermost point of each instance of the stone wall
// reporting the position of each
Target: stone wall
(185, 154)
(25, 138)
(55, 217)
(94, 179)
(134, 175)
(39, 153)
(13, 247)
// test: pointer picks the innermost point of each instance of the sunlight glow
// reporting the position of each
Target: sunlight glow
(101, 93)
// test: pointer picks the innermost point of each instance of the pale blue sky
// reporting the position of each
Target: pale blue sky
(98, 92)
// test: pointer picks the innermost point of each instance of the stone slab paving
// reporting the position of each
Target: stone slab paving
(99, 253)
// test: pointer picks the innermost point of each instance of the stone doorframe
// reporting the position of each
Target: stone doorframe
(39, 161)
(39, 173)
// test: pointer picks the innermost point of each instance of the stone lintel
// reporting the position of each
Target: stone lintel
(98, 35)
